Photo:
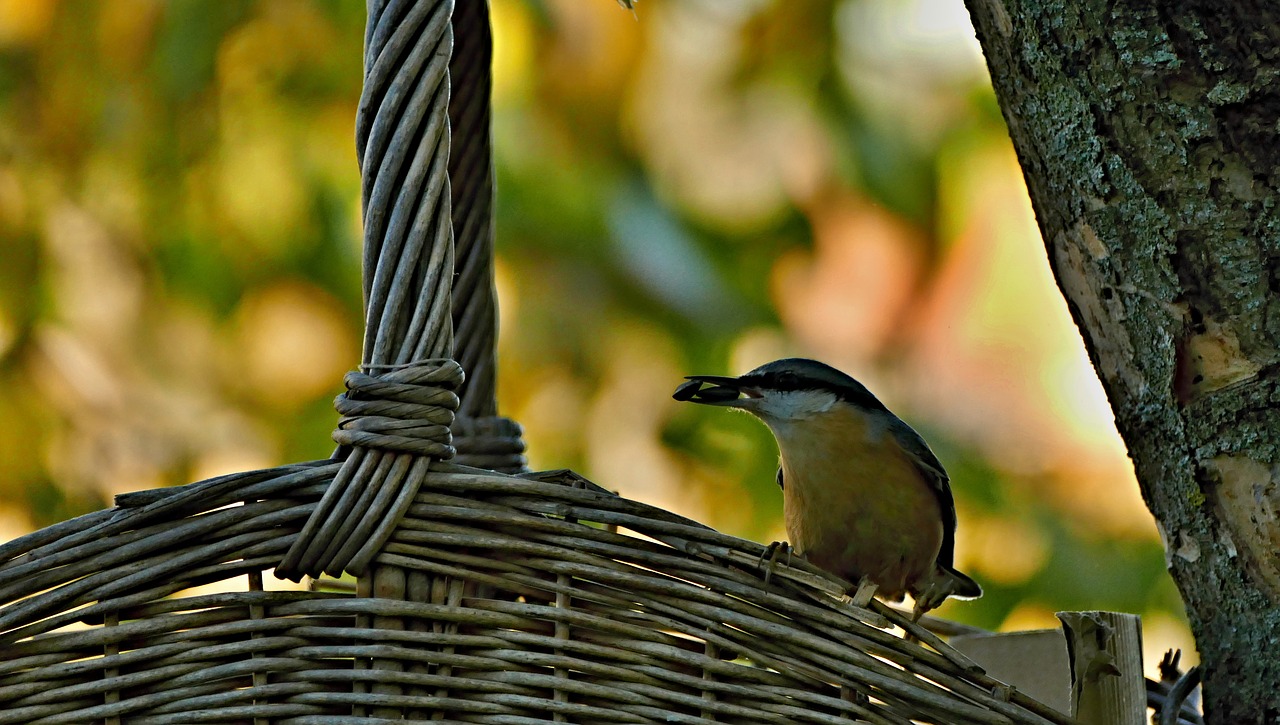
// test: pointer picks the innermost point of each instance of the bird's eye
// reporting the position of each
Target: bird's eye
(788, 381)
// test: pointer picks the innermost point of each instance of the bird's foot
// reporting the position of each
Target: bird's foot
(931, 597)
(773, 552)
(865, 591)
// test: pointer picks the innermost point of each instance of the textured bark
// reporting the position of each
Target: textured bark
(1148, 136)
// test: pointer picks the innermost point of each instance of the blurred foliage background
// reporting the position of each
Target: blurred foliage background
(700, 186)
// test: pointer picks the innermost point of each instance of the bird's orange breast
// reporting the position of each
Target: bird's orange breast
(855, 503)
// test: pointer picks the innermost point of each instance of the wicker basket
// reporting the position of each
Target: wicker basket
(483, 593)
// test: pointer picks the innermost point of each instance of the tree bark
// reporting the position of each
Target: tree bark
(1148, 136)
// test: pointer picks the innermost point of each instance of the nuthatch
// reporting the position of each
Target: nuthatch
(863, 496)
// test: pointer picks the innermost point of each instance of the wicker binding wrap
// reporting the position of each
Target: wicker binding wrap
(484, 596)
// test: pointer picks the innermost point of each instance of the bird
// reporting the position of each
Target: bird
(863, 495)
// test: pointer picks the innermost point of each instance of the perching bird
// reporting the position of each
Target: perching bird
(863, 496)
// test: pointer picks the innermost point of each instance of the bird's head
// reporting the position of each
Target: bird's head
(783, 391)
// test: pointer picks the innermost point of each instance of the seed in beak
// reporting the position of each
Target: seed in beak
(693, 391)
(687, 390)
(718, 394)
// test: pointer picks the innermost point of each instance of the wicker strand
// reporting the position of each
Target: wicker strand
(484, 440)
(111, 650)
(257, 612)
(471, 179)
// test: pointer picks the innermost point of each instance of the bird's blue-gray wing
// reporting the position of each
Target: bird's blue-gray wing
(936, 475)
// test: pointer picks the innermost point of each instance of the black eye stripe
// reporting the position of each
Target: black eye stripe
(783, 381)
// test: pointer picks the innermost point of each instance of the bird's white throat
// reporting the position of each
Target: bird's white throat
(791, 405)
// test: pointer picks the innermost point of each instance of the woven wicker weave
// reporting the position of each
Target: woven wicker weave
(483, 596)
(554, 601)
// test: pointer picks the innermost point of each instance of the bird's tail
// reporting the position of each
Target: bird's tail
(961, 585)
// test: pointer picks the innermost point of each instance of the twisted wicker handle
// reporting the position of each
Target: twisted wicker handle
(402, 140)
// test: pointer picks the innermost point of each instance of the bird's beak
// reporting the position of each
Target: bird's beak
(731, 392)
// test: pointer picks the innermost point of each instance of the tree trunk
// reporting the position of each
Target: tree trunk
(1148, 136)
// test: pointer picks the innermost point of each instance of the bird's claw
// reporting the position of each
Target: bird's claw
(773, 552)
(931, 597)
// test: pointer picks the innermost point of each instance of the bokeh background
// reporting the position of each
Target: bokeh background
(698, 186)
